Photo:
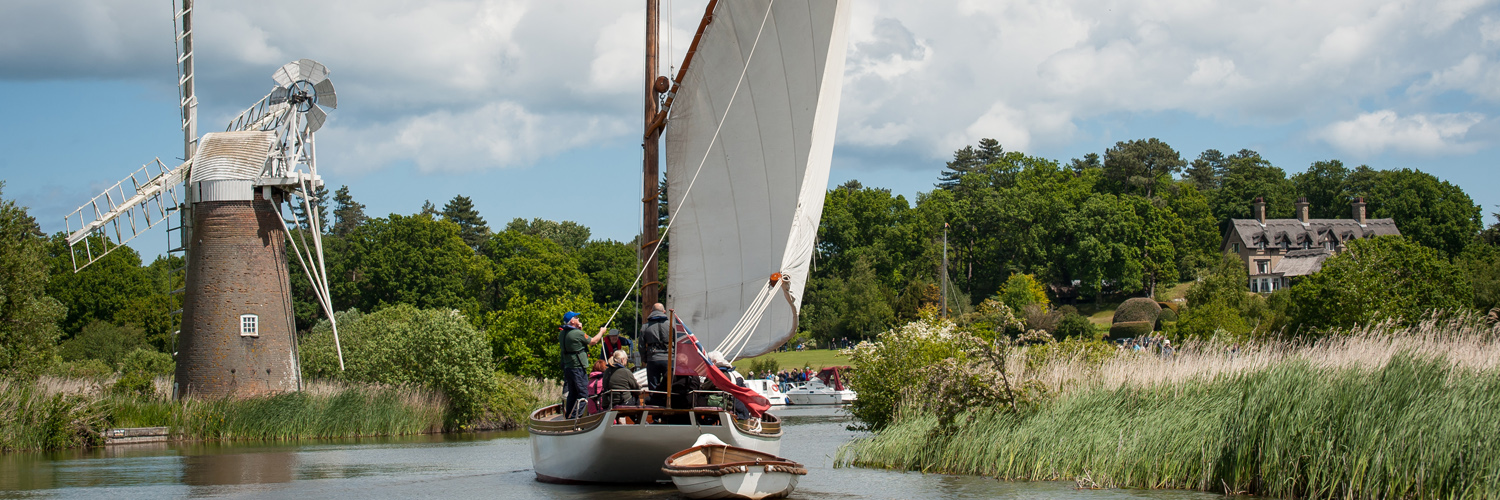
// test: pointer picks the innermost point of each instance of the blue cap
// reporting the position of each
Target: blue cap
(568, 316)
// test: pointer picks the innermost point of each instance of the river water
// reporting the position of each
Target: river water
(488, 465)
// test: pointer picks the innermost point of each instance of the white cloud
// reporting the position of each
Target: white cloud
(923, 78)
(495, 135)
(1374, 133)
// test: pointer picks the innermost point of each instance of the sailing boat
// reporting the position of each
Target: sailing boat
(749, 124)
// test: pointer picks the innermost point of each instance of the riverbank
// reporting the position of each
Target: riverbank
(1384, 412)
(54, 413)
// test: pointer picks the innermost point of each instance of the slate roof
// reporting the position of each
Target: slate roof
(1301, 262)
(1250, 232)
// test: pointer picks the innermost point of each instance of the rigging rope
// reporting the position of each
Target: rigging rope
(672, 217)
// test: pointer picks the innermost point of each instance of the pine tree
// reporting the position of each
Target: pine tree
(320, 201)
(968, 160)
(471, 227)
(430, 210)
(350, 214)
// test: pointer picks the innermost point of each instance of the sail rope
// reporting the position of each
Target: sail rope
(672, 217)
(739, 336)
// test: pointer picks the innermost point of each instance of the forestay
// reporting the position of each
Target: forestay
(753, 210)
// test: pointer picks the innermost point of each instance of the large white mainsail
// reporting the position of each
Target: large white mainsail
(754, 207)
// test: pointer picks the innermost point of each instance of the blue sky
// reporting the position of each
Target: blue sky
(531, 108)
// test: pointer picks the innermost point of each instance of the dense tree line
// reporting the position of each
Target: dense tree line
(1129, 221)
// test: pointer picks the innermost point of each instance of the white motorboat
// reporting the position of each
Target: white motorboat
(712, 469)
(769, 390)
(827, 388)
(749, 144)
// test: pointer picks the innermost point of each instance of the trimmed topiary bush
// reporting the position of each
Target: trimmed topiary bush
(1130, 329)
(1074, 326)
(1166, 316)
(1137, 309)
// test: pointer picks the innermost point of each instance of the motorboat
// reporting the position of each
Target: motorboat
(769, 390)
(827, 388)
(712, 469)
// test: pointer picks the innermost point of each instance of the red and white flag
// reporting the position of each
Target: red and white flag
(691, 358)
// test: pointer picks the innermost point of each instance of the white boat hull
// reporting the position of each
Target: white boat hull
(626, 453)
(820, 397)
(755, 483)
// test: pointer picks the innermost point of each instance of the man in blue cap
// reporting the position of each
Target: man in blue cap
(575, 362)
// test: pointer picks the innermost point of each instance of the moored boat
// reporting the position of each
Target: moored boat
(827, 388)
(712, 469)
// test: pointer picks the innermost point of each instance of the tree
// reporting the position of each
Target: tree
(1217, 302)
(413, 260)
(1246, 177)
(967, 160)
(1022, 290)
(1429, 211)
(471, 227)
(1137, 167)
(103, 341)
(1387, 277)
(28, 317)
(319, 201)
(1205, 172)
(568, 234)
(97, 292)
(529, 268)
(350, 213)
(523, 336)
(429, 210)
(1326, 186)
(1481, 264)
(1106, 251)
(611, 268)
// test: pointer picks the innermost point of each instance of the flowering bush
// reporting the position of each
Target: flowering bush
(886, 368)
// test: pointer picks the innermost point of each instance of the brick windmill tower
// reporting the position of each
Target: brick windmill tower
(238, 335)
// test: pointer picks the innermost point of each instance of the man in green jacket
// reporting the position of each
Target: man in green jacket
(575, 362)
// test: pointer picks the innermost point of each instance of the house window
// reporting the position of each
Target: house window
(1236, 247)
(1262, 267)
(249, 325)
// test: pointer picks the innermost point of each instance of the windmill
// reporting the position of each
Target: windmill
(238, 333)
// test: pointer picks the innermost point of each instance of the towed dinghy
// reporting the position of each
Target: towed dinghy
(712, 469)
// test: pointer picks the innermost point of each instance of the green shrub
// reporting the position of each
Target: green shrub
(1131, 329)
(764, 364)
(885, 368)
(90, 369)
(140, 368)
(403, 345)
(1166, 316)
(103, 341)
(1137, 309)
(1074, 325)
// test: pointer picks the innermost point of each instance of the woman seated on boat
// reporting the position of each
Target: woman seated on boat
(596, 387)
(620, 381)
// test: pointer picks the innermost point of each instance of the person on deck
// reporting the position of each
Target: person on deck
(596, 387)
(656, 338)
(613, 342)
(620, 382)
(575, 359)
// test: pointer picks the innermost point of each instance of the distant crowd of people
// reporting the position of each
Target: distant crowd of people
(787, 380)
(1155, 345)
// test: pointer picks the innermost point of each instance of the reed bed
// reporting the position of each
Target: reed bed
(1382, 412)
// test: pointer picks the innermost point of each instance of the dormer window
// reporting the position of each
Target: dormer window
(249, 325)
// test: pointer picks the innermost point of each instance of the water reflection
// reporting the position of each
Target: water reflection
(492, 465)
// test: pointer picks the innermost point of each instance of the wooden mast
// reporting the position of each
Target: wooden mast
(650, 237)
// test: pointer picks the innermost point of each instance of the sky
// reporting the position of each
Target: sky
(532, 108)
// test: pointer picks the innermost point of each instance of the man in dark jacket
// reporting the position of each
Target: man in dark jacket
(656, 337)
(575, 362)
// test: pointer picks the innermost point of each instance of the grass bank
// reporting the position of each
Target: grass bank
(55, 413)
(1382, 413)
(815, 358)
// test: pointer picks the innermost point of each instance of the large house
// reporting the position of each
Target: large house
(1276, 251)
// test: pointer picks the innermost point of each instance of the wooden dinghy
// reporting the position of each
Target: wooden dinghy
(712, 469)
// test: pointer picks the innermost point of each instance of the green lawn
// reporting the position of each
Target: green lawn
(815, 358)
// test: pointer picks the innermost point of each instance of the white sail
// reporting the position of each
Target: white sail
(754, 207)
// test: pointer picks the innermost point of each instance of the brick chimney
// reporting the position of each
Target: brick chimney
(1302, 209)
(1258, 210)
(1359, 210)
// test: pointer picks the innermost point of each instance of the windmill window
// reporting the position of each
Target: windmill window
(249, 325)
